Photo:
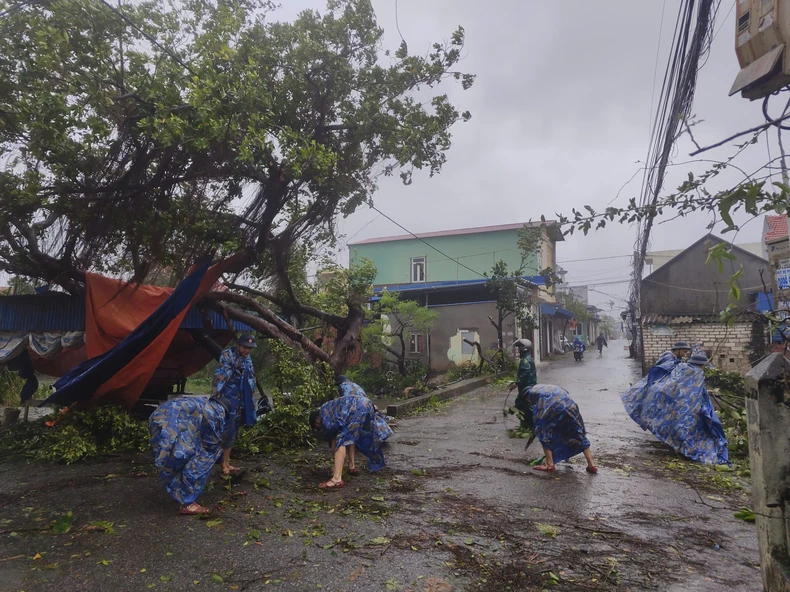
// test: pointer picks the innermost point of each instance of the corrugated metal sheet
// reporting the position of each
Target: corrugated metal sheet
(52, 311)
(55, 311)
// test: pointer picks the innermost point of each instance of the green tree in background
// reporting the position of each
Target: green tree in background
(140, 138)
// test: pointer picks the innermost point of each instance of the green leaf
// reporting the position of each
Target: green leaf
(217, 579)
(63, 524)
(214, 522)
(548, 530)
(382, 540)
(745, 514)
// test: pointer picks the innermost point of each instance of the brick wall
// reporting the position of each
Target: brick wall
(730, 348)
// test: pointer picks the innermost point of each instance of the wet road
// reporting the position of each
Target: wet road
(643, 490)
(457, 508)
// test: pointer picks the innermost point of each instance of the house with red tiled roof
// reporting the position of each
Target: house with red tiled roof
(774, 233)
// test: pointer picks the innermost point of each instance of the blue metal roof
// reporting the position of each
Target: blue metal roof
(55, 311)
(555, 309)
(538, 280)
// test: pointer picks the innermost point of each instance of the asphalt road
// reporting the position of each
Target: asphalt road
(457, 508)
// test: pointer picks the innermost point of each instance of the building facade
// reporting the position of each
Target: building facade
(683, 298)
(446, 271)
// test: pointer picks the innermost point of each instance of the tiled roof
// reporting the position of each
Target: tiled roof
(475, 230)
(777, 228)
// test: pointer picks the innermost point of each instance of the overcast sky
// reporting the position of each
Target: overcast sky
(560, 118)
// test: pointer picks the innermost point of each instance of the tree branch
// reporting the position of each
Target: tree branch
(758, 128)
(271, 321)
(332, 319)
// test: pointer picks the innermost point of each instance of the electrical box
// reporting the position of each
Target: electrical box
(762, 32)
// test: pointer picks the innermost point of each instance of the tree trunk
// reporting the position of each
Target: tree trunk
(346, 343)
(402, 356)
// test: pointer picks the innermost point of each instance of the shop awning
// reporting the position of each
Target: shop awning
(555, 310)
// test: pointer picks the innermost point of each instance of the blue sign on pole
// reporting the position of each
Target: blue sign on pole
(783, 278)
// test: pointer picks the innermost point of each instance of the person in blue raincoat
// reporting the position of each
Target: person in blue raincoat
(558, 426)
(350, 423)
(190, 434)
(233, 385)
(383, 431)
(677, 409)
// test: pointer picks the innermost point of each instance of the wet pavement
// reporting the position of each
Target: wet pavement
(457, 508)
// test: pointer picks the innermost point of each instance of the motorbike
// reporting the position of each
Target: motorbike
(578, 352)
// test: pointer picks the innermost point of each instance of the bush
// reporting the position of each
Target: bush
(388, 382)
(10, 385)
(729, 391)
(466, 370)
(78, 435)
(298, 387)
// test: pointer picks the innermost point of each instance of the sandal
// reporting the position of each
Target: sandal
(353, 471)
(592, 470)
(230, 471)
(331, 485)
(545, 468)
(193, 509)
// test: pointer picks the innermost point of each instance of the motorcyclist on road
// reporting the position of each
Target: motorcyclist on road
(578, 348)
(601, 341)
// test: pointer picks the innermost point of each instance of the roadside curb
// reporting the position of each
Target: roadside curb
(449, 392)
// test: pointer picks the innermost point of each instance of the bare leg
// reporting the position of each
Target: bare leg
(340, 459)
(549, 457)
(351, 457)
(588, 456)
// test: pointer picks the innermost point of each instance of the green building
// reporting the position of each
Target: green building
(445, 270)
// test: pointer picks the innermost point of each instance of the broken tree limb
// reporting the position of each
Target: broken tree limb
(479, 348)
(267, 322)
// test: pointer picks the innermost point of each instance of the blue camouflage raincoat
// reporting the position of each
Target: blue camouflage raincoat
(558, 423)
(352, 420)
(678, 411)
(234, 383)
(352, 389)
(186, 435)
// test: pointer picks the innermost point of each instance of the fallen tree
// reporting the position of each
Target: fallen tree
(141, 139)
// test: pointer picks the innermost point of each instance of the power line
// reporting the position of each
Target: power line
(402, 227)
(150, 38)
(655, 67)
(608, 283)
(594, 259)
(361, 229)
(724, 22)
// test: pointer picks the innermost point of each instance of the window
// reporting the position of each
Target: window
(743, 22)
(540, 258)
(415, 343)
(467, 349)
(417, 270)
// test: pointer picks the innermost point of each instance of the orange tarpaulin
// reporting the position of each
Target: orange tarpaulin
(114, 311)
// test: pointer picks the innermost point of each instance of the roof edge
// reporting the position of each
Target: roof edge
(459, 231)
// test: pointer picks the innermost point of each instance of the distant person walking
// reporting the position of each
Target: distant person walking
(601, 341)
